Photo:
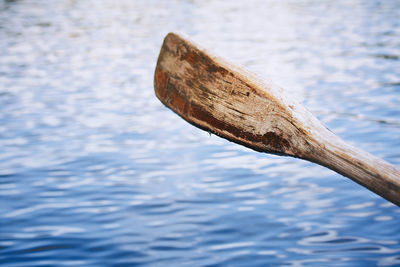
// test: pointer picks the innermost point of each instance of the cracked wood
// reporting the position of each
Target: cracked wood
(235, 104)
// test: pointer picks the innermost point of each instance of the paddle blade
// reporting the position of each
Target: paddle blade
(223, 99)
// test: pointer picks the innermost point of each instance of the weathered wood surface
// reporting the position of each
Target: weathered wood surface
(230, 102)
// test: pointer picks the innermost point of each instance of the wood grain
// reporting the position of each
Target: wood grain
(235, 104)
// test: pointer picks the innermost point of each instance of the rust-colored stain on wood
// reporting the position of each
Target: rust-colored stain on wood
(161, 79)
(192, 57)
(215, 68)
(274, 140)
(218, 97)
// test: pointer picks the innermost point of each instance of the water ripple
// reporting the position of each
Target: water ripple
(94, 171)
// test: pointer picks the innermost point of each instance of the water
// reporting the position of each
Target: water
(94, 171)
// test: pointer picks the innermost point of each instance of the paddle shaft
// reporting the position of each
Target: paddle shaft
(233, 103)
(371, 172)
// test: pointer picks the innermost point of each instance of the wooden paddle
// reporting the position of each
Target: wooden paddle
(233, 103)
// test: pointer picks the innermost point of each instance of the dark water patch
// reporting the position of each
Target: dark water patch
(341, 240)
(46, 248)
(387, 56)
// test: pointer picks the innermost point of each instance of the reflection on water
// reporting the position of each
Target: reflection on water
(95, 171)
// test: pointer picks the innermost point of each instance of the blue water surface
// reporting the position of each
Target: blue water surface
(95, 171)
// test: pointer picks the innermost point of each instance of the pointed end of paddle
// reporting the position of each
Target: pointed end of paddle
(161, 75)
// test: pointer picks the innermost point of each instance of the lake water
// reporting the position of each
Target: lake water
(95, 171)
